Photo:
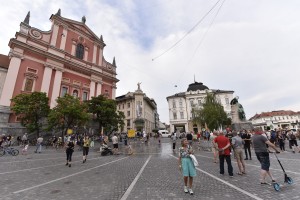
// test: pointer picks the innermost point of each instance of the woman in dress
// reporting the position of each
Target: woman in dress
(186, 165)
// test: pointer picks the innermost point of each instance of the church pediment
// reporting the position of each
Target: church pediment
(79, 26)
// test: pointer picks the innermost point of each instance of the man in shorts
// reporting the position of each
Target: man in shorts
(115, 142)
(259, 142)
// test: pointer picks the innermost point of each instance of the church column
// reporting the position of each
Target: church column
(113, 95)
(100, 57)
(92, 89)
(86, 53)
(54, 35)
(94, 53)
(11, 78)
(56, 87)
(73, 48)
(46, 79)
(64, 38)
(99, 88)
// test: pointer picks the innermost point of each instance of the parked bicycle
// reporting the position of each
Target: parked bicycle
(9, 150)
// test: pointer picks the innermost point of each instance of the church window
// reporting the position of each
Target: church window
(174, 115)
(28, 85)
(227, 101)
(106, 94)
(64, 91)
(75, 93)
(85, 96)
(174, 104)
(79, 51)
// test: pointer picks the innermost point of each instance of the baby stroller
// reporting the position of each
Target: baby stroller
(105, 150)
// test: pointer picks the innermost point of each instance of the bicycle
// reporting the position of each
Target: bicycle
(9, 150)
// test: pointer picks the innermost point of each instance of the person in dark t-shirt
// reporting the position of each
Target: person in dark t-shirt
(246, 136)
(259, 143)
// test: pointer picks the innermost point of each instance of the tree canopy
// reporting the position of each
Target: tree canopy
(68, 113)
(32, 109)
(105, 113)
(212, 113)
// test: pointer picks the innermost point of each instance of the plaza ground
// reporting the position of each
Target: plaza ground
(150, 173)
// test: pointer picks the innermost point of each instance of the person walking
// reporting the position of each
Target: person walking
(69, 151)
(186, 165)
(115, 142)
(294, 143)
(246, 136)
(39, 144)
(237, 145)
(158, 137)
(24, 139)
(224, 153)
(261, 151)
(86, 147)
(281, 141)
(214, 147)
(189, 138)
(174, 141)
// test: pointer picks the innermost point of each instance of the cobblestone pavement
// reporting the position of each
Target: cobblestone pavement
(150, 173)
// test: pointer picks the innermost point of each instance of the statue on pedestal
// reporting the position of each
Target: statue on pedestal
(139, 85)
(237, 107)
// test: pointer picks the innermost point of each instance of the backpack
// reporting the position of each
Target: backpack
(273, 135)
(293, 137)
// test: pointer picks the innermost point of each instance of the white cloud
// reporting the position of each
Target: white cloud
(252, 48)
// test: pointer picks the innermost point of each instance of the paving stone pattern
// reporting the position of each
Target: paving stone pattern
(44, 176)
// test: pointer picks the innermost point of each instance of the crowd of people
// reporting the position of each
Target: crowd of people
(226, 143)
(223, 144)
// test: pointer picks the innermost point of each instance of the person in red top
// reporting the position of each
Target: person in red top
(223, 144)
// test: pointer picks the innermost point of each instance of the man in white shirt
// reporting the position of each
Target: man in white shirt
(115, 142)
(39, 144)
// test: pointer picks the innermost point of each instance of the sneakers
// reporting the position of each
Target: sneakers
(67, 164)
(185, 189)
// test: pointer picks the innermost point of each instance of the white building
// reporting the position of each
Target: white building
(140, 111)
(284, 119)
(181, 105)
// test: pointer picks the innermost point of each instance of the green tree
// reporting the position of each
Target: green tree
(212, 113)
(105, 113)
(68, 113)
(32, 109)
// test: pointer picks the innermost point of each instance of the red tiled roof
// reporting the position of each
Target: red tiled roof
(274, 113)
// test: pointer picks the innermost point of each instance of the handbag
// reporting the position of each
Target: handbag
(195, 162)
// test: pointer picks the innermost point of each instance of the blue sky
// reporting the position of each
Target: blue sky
(251, 48)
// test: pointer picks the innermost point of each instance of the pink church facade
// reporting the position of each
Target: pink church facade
(67, 59)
